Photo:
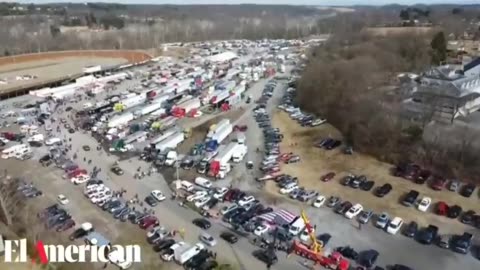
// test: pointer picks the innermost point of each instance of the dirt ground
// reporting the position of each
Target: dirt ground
(317, 162)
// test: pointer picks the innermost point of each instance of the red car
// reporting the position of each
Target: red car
(438, 183)
(285, 156)
(327, 177)
(148, 222)
(242, 128)
(442, 209)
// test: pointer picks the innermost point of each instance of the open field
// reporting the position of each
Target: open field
(385, 31)
(317, 162)
(57, 65)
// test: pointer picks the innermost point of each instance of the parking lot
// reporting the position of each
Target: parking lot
(135, 180)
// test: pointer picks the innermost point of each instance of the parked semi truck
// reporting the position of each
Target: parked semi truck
(222, 133)
(171, 142)
(120, 120)
(220, 166)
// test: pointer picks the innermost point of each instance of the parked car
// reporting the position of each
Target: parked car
(229, 237)
(424, 204)
(410, 198)
(454, 211)
(348, 252)
(327, 177)
(319, 201)
(354, 211)
(383, 190)
(438, 183)
(367, 185)
(461, 243)
(441, 208)
(202, 223)
(467, 217)
(467, 190)
(453, 185)
(333, 201)
(411, 229)
(394, 225)
(365, 216)
(427, 235)
(443, 241)
(382, 220)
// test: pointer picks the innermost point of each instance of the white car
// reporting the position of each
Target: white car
(245, 200)
(103, 200)
(424, 204)
(289, 188)
(99, 193)
(394, 225)
(158, 195)
(318, 122)
(80, 179)
(92, 187)
(202, 201)
(101, 197)
(319, 201)
(305, 236)
(354, 211)
(220, 193)
(260, 230)
(228, 208)
(62, 199)
(197, 195)
(207, 239)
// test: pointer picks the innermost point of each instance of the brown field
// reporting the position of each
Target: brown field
(385, 31)
(317, 162)
(57, 65)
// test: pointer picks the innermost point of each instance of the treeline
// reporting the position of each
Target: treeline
(352, 83)
(38, 34)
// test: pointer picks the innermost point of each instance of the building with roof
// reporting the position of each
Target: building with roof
(446, 92)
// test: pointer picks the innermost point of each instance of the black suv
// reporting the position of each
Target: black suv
(410, 198)
(267, 256)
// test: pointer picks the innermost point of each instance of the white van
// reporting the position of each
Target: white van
(203, 182)
(185, 185)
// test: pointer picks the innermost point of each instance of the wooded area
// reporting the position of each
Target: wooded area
(353, 83)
